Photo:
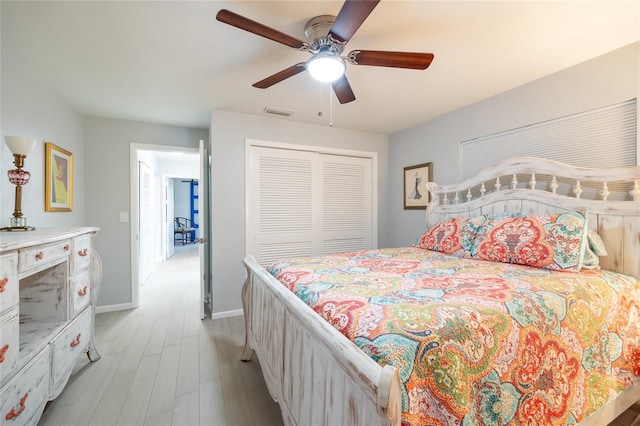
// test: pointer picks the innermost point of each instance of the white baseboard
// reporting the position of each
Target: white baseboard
(111, 308)
(227, 314)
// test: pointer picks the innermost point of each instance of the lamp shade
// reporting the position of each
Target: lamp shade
(326, 67)
(20, 145)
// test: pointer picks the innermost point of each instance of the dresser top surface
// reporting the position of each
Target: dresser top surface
(14, 240)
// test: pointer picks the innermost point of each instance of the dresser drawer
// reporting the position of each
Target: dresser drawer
(69, 344)
(9, 285)
(80, 292)
(23, 398)
(9, 342)
(32, 257)
(81, 257)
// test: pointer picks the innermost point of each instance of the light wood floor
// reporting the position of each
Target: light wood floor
(162, 365)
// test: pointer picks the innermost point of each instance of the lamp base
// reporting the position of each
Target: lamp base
(18, 228)
(18, 224)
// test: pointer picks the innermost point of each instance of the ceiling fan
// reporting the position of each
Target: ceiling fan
(327, 36)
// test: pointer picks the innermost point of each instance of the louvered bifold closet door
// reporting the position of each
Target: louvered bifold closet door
(303, 203)
(346, 203)
(281, 206)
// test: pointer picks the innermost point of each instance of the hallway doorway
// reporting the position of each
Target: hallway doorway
(152, 226)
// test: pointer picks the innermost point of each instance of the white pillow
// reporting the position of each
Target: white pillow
(594, 248)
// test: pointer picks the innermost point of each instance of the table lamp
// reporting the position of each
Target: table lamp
(20, 147)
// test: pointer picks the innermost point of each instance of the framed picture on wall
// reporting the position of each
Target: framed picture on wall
(416, 196)
(58, 188)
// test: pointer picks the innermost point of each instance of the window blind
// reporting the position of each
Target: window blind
(603, 137)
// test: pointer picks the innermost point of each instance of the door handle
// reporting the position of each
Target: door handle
(202, 240)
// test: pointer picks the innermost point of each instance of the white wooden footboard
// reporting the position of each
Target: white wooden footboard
(317, 376)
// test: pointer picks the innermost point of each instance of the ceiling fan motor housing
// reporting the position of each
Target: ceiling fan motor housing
(318, 27)
(316, 30)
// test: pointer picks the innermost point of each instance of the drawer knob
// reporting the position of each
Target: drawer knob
(3, 350)
(3, 284)
(67, 247)
(13, 414)
(75, 342)
(83, 292)
(82, 252)
(40, 255)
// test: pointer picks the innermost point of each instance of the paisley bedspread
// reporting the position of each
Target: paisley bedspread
(476, 342)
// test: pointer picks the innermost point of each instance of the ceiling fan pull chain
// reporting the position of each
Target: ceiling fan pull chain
(330, 107)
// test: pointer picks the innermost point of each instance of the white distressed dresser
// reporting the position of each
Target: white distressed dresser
(49, 280)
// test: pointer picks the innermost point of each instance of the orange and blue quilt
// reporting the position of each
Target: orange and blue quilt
(477, 342)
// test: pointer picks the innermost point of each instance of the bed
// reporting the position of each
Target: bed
(440, 333)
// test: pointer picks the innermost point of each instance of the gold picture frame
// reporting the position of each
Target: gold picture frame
(416, 196)
(58, 187)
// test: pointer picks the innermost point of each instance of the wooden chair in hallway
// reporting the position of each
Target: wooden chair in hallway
(184, 230)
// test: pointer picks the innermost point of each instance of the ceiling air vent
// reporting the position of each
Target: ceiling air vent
(278, 111)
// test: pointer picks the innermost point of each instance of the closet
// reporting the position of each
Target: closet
(303, 203)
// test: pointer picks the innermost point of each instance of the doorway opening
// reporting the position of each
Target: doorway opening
(155, 169)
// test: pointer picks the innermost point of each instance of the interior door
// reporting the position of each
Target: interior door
(346, 204)
(305, 203)
(284, 210)
(169, 209)
(203, 241)
(145, 219)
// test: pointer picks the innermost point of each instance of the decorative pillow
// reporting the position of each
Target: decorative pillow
(456, 236)
(594, 248)
(549, 241)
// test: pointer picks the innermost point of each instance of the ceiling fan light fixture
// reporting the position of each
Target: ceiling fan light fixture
(326, 67)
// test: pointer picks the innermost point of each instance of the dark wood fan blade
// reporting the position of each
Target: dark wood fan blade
(350, 17)
(279, 76)
(343, 91)
(380, 58)
(257, 28)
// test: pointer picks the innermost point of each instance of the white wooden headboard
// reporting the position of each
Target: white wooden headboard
(497, 190)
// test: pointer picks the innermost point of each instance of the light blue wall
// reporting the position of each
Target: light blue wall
(604, 80)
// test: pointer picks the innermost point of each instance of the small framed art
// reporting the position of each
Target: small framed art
(416, 196)
(58, 181)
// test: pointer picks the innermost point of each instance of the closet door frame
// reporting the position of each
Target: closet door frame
(373, 156)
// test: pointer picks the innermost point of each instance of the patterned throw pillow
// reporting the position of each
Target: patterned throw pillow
(456, 236)
(553, 241)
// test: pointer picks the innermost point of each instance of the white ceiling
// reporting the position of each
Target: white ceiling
(172, 62)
